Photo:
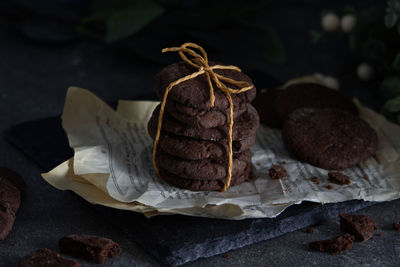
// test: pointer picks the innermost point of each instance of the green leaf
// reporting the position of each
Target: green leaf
(315, 36)
(373, 51)
(348, 10)
(48, 30)
(396, 63)
(390, 87)
(390, 19)
(126, 22)
(273, 51)
(392, 105)
(354, 41)
(392, 13)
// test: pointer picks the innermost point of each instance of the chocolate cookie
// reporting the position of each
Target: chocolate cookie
(265, 106)
(195, 149)
(202, 169)
(206, 185)
(196, 92)
(244, 127)
(46, 258)
(202, 118)
(6, 223)
(13, 177)
(10, 200)
(89, 247)
(329, 138)
(310, 95)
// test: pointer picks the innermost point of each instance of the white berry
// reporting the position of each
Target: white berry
(330, 22)
(331, 82)
(365, 71)
(348, 23)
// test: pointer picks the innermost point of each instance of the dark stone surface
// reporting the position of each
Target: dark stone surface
(33, 82)
(175, 240)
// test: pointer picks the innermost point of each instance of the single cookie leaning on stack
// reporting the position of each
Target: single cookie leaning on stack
(329, 138)
(192, 150)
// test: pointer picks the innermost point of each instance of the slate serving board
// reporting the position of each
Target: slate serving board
(174, 239)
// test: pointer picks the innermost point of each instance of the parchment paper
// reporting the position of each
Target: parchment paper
(112, 166)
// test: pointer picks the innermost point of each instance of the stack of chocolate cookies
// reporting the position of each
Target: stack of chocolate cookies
(193, 147)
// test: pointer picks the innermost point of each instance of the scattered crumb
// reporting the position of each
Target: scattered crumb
(380, 234)
(277, 172)
(329, 187)
(228, 255)
(314, 180)
(335, 245)
(366, 177)
(13, 244)
(283, 162)
(309, 230)
(338, 178)
(396, 226)
(361, 226)
(258, 164)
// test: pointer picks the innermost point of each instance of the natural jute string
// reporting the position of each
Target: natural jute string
(203, 68)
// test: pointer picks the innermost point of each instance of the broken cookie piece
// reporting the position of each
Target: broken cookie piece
(13, 177)
(89, 247)
(339, 178)
(335, 245)
(314, 179)
(277, 172)
(46, 258)
(10, 200)
(361, 226)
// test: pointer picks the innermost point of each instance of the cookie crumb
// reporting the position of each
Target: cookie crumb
(283, 162)
(258, 164)
(380, 234)
(46, 257)
(335, 245)
(13, 244)
(309, 230)
(277, 172)
(228, 255)
(314, 180)
(361, 226)
(396, 226)
(366, 177)
(329, 187)
(89, 247)
(339, 178)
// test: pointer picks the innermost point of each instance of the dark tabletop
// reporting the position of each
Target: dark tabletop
(33, 82)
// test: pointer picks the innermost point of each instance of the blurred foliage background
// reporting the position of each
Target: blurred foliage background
(138, 29)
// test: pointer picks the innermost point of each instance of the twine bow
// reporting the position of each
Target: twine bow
(201, 63)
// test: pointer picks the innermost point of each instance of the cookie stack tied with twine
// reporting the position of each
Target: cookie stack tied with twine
(204, 126)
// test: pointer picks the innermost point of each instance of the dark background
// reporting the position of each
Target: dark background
(36, 69)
